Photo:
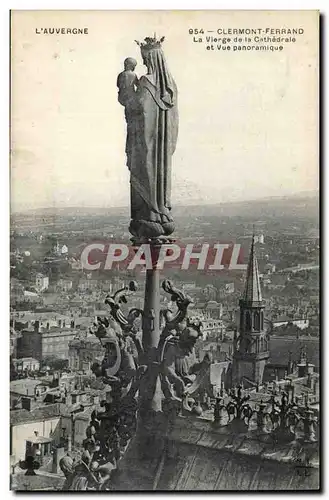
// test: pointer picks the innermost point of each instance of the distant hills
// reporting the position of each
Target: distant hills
(300, 205)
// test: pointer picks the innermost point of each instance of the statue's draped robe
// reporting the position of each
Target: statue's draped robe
(152, 129)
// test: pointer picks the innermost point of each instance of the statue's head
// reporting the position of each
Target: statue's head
(94, 465)
(130, 64)
(67, 465)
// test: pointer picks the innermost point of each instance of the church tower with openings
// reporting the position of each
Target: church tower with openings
(251, 344)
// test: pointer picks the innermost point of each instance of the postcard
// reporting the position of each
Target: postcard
(164, 251)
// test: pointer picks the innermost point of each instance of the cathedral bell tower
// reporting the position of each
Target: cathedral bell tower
(251, 345)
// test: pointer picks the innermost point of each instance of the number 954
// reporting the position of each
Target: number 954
(196, 31)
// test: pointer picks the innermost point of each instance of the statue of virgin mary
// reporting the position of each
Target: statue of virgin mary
(152, 129)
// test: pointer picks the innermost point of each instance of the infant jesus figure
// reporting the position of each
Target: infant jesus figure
(127, 84)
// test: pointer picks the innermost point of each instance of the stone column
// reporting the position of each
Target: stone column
(151, 319)
(150, 390)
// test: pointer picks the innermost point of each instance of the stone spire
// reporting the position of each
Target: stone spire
(252, 291)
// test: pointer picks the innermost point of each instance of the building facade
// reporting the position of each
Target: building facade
(40, 344)
(41, 282)
(29, 364)
(25, 425)
(83, 353)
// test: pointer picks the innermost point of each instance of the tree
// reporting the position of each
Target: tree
(55, 363)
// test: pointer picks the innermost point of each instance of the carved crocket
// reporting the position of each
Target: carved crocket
(176, 360)
(121, 370)
(177, 356)
(118, 334)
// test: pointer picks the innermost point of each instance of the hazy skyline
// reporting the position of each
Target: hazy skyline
(248, 121)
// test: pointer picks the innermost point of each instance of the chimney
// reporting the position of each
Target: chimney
(315, 385)
(68, 399)
(26, 403)
(59, 453)
(290, 364)
(306, 399)
(309, 380)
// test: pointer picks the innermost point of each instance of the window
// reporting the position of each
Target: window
(248, 321)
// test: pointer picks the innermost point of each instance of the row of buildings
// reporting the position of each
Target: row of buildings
(53, 412)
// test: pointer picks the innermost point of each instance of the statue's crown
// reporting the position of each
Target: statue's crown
(150, 43)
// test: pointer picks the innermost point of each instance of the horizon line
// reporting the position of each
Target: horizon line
(300, 194)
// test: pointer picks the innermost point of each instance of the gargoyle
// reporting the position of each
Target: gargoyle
(178, 363)
(239, 408)
(175, 322)
(175, 363)
(284, 416)
(118, 334)
(125, 322)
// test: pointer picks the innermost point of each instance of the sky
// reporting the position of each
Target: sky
(248, 121)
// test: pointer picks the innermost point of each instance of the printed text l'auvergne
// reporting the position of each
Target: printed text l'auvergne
(61, 31)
